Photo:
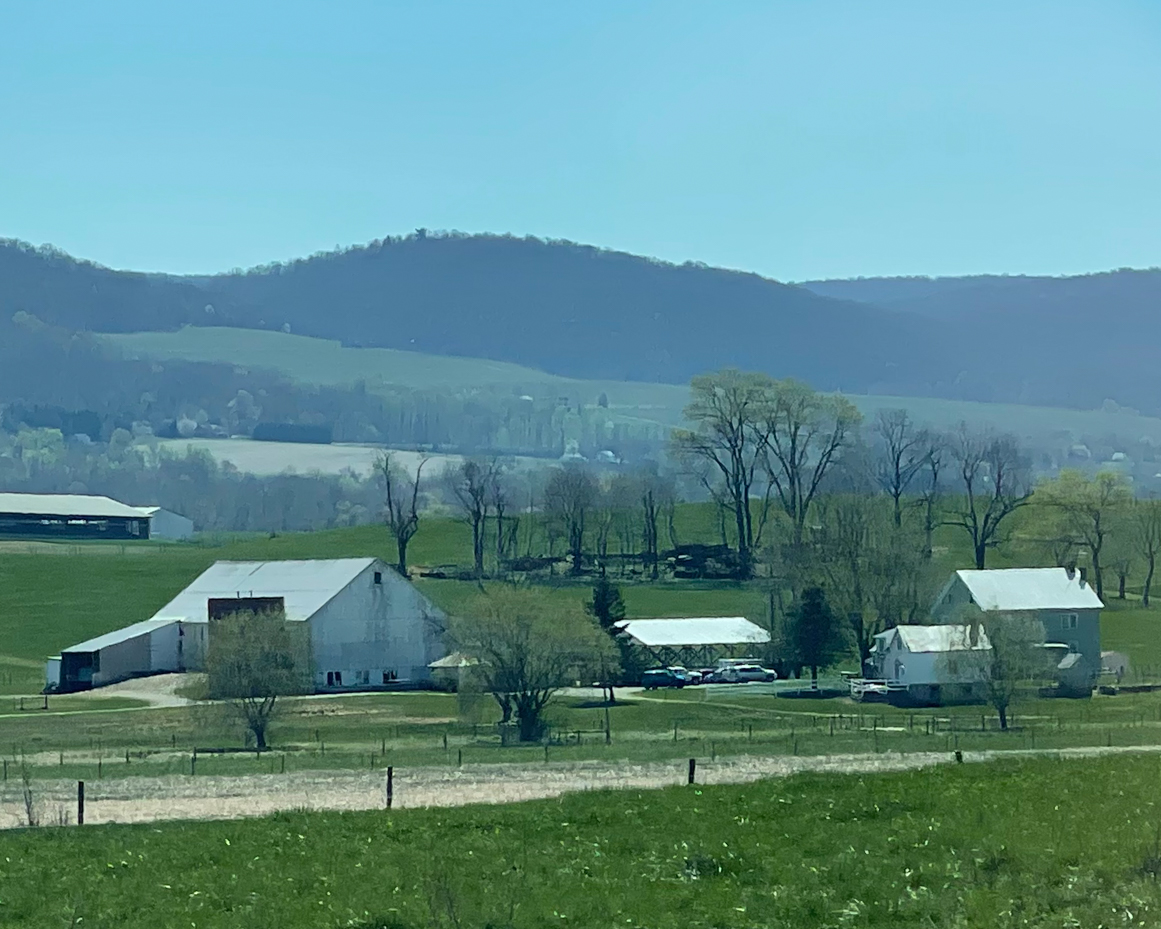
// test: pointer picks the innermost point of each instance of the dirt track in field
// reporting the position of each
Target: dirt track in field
(148, 799)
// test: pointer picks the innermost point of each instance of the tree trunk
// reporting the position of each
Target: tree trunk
(478, 547)
(1096, 574)
(981, 555)
(1148, 580)
(401, 545)
(1121, 587)
(814, 677)
(1003, 711)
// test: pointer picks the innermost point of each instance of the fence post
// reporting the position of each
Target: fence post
(459, 757)
(390, 786)
(692, 769)
(675, 730)
(80, 803)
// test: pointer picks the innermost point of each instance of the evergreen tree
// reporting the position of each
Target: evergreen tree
(817, 636)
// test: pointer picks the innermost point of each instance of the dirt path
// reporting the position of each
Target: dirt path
(145, 799)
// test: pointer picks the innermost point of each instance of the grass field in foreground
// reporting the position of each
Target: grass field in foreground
(1032, 843)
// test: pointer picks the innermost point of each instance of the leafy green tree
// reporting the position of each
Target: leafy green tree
(1085, 511)
(252, 660)
(816, 635)
(528, 647)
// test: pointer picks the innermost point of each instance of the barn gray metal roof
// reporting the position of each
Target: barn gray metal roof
(714, 630)
(306, 586)
(119, 635)
(1018, 589)
(66, 505)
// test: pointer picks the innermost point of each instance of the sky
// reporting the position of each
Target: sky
(797, 139)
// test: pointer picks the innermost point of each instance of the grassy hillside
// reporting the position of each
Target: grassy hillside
(320, 361)
(1035, 843)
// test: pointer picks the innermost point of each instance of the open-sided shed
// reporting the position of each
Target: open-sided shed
(694, 642)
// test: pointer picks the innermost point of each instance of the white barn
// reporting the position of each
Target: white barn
(368, 627)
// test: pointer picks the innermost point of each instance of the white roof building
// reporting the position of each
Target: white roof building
(1022, 589)
(368, 626)
(693, 641)
(305, 586)
(66, 505)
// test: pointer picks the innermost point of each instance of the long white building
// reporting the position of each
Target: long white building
(368, 626)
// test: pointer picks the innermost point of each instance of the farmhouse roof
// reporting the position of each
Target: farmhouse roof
(944, 638)
(305, 586)
(715, 630)
(66, 505)
(120, 635)
(1029, 589)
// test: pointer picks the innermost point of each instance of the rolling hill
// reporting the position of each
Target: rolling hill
(585, 313)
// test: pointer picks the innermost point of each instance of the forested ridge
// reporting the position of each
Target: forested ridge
(592, 313)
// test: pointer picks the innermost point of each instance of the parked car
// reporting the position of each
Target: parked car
(690, 677)
(746, 673)
(661, 677)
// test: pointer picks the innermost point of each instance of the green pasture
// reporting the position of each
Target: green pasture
(1032, 843)
(117, 739)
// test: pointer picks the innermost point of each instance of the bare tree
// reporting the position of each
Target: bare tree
(902, 455)
(401, 505)
(1146, 529)
(470, 486)
(502, 495)
(569, 497)
(996, 483)
(657, 492)
(728, 410)
(252, 660)
(804, 434)
(933, 460)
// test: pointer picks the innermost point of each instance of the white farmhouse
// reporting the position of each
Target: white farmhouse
(931, 664)
(368, 626)
(1059, 598)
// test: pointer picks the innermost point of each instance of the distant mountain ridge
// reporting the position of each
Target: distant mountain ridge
(586, 312)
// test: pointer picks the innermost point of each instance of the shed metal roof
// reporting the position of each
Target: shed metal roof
(1029, 589)
(945, 638)
(120, 635)
(306, 586)
(66, 505)
(715, 630)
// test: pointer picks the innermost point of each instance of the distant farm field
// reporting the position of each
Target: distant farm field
(321, 361)
(266, 458)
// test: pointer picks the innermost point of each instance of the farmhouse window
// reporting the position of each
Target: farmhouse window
(378, 577)
(1069, 621)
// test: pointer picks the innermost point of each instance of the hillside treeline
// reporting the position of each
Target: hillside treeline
(593, 313)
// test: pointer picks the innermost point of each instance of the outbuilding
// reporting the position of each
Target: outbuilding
(149, 647)
(694, 642)
(70, 516)
(166, 524)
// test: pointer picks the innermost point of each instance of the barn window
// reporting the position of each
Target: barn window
(378, 577)
(1069, 621)
(338, 678)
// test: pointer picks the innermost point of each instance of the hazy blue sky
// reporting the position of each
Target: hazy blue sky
(799, 140)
